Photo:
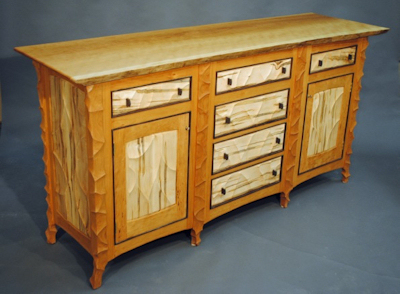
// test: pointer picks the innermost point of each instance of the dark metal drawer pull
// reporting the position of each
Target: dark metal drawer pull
(280, 105)
(274, 173)
(226, 156)
(179, 91)
(283, 70)
(350, 57)
(320, 63)
(278, 140)
(229, 81)
(223, 191)
(227, 120)
(128, 102)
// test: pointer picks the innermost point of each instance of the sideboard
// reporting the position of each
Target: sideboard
(148, 134)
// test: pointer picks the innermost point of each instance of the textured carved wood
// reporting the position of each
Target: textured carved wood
(293, 127)
(250, 112)
(151, 173)
(330, 120)
(248, 76)
(201, 152)
(239, 183)
(353, 109)
(150, 96)
(248, 147)
(325, 120)
(44, 107)
(331, 59)
(97, 182)
(70, 152)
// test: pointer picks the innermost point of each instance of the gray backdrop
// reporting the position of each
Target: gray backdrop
(333, 238)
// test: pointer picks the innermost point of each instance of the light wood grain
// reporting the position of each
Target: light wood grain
(151, 173)
(70, 152)
(244, 181)
(149, 96)
(248, 76)
(142, 53)
(248, 147)
(250, 112)
(331, 59)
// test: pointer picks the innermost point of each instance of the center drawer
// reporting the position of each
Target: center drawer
(245, 181)
(248, 147)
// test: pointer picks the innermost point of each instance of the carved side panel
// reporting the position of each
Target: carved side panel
(355, 98)
(248, 147)
(250, 112)
(332, 59)
(244, 181)
(293, 126)
(325, 119)
(97, 181)
(70, 152)
(248, 76)
(149, 96)
(151, 173)
(201, 152)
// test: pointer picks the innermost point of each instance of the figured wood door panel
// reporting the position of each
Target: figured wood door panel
(325, 122)
(150, 175)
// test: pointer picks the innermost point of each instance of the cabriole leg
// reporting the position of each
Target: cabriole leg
(284, 199)
(196, 237)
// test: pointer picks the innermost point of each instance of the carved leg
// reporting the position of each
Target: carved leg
(51, 233)
(196, 237)
(99, 265)
(345, 174)
(284, 199)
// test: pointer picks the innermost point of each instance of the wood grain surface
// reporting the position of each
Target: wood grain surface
(103, 59)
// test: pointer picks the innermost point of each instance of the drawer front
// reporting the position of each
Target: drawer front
(244, 181)
(253, 75)
(332, 59)
(144, 97)
(248, 147)
(250, 112)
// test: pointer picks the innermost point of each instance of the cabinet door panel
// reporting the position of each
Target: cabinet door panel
(325, 122)
(150, 175)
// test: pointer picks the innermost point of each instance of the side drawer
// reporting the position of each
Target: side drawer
(253, 75)
(248, 147)
(332, 59)
(244, 181)
(144, 97)
(246, 113)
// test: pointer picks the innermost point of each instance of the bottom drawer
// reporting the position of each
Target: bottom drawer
(244, 181)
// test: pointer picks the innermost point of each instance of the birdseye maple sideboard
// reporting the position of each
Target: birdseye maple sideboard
(153, 133)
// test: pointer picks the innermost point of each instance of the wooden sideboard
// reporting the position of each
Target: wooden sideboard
(153, 133)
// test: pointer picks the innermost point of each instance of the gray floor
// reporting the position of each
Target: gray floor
(333, 237)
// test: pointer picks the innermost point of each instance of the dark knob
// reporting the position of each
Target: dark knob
(319, 62)
(283, 70)
(227, 120)
(229, 81)
(350, 57)
(179, 91)
(128, 102)
(274, 173)
(278, 140)
(280, 105)
(226, 156)
(223, 191)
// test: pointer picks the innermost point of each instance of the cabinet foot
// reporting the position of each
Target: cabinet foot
(99, 266)
(51, 234)
(345, 175)
(284, 199)
(195, 238)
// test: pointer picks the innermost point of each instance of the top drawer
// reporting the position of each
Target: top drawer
(139, 98)
(331, 59)
(253, 75)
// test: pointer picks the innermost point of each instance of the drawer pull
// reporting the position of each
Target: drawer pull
(128, 102)
(274, 173)
(320, 62)
(226, 156)
(227, 120)
(223, 191)
(180, 92)
(280, 105)
(283, 70)
(350, 57)
(229, 81)
(278, 140)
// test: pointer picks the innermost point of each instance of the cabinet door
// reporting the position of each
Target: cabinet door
(150, 175)
(325, 122)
